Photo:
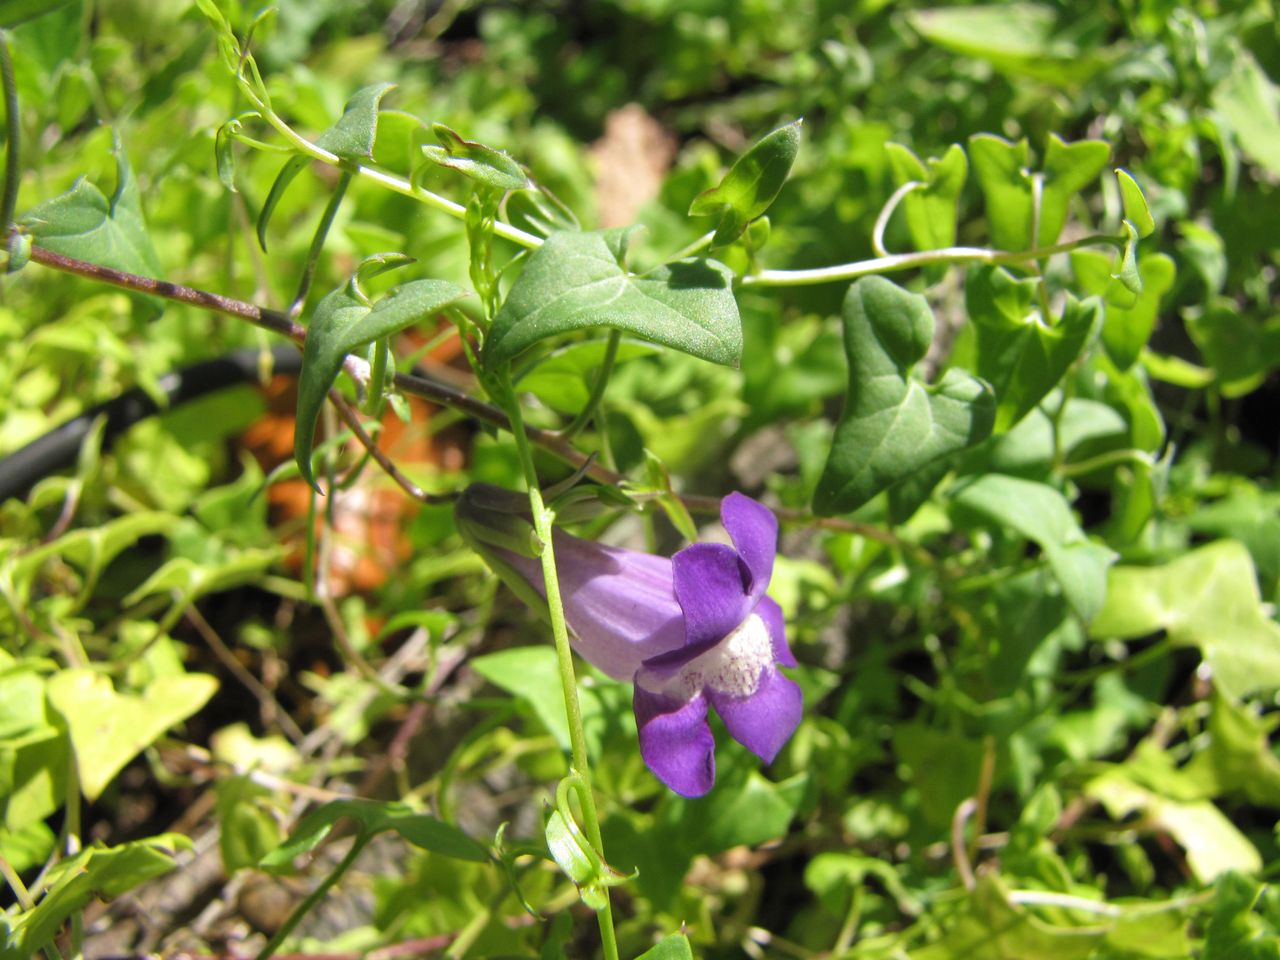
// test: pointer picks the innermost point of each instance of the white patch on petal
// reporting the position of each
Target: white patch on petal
(732, 667)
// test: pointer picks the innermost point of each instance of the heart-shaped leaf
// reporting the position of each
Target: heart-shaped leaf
(1002, 171)
(343, 322)
(1018, 353)
(751, 185)
(108, 729)
(892, 424)
(84, 224)
(578, 280)
(931, 210)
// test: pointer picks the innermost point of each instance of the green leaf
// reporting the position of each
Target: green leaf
(1042, 514)
(532, 674)
(1136, 210)
(1250, 103)
(493, 168)
(1068, 168)
(186, 580)
(108, 729)
(1213, 844)
(674, 947)
(1018, 354)
(374, 817)
(893, 425)
(991, 928)
(737, 813)
(97, 872)
(930, 211)
(751, 185)
(1206, 599)
(943, 766)
(1240, 350)
(1239, 758)
(1125, 328)
(84, 224)
(225, 153)
(14, 12)
(351, 138)
(576, 281)
(1000, 167)
(562, 379)
(248, 823)
(1127, 269)
(1002, 171)
(1233, 930)
(342, 322)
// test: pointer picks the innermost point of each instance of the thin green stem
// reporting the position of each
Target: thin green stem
(1105, 460)
(389, 180)
(72, 828)
(13, 130)
(542, 525)
(882, 221)
(909, 261)
(697, 246)
(316, 895)
(597, 387)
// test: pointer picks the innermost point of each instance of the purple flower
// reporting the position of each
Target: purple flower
(690, 632)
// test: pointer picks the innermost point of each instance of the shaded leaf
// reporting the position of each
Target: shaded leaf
(893, 425)
(674, 947)
(1042, 514)
(1125, 328)
(14, 12)
(576, 281)
(751, 185)
(374, 817)
(1250, 103)
(1021, 356)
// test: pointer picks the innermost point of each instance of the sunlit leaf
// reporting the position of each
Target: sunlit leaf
(485, 165)
(576, 281)
(751, 185)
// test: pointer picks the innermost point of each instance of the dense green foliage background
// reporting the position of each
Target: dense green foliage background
(1040, 672)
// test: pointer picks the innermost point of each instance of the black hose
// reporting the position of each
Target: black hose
(58, 448)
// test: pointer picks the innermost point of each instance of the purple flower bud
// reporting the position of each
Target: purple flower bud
(689, 632)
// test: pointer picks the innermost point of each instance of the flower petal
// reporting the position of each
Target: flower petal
(754, 530)
(676, 741)
(765, 720)
(711, 588)
(620, 604)
(771, 614)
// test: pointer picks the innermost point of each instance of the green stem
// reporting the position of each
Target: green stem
(910, 261)
(316, 895)
(597, 387)
(697, 246)
(13, 129)
(1105, 460)
(542, 525)
(389, 180)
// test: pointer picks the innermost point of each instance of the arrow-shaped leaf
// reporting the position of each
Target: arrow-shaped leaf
(578, 280)
(84, 224)
(931, 210)
(343, 322)
(1021, 356)
(893, 424)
